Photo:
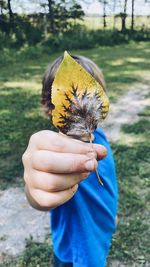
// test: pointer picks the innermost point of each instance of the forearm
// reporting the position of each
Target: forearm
(32, 202)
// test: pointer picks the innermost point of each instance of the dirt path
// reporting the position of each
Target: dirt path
(18, 221)
(126, 110)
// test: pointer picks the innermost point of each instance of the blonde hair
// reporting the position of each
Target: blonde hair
(50, 74)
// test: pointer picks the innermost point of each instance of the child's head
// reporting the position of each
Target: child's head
(49, 77)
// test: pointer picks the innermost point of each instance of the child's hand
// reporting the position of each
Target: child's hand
(54, 165)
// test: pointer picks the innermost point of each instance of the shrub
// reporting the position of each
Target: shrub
(78, 37)
(24, 32)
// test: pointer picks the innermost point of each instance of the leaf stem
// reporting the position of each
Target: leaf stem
(99, 178)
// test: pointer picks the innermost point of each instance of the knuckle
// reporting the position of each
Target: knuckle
(43, 201)
(25, 158)
(49, 203)
(46, 203)
(34, 156)
(58, 143)
(25, 177)
(33, 138)
(92, 154)
(72, 167)
(51, 187)
(90, 148)
(77, 165)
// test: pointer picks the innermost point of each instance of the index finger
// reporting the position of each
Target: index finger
(56, 142)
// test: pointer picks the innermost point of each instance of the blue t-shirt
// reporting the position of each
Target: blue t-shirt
(82, 228)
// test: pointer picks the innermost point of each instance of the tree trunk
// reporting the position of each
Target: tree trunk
(132, 16)
(45, 24)
(124, 16)
(114, 17)
(10, 12)
(1, 11)
(51, 15)
(104, 14)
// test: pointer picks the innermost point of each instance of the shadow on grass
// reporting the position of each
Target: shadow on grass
(122, 65)
(20, 117)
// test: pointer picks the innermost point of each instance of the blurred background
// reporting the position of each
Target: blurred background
(115, 35)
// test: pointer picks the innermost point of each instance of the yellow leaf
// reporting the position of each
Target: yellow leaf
(80, 101)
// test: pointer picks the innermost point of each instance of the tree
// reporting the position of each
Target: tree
(123, 15)
(10, 12)
(76, 11)
(104, 2)
(132, 16)
(114, 16)
(3, 6)
(45, 20)
(51, 4)
(61, 17)
(59, 13)
(6, 21)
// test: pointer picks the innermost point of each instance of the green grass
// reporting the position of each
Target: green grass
(131, 242)
(20, 90)
(35, 255)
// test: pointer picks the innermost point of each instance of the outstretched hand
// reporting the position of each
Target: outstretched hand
(54, 164)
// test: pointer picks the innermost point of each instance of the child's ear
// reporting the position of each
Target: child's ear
(49, 114)
(47, 109)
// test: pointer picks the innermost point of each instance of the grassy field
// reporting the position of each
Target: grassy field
(20, 113)
(95, 23)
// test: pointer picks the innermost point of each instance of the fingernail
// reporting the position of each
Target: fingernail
(103, 152)
(90, 165)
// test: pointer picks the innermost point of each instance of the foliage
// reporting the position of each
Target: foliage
(22, 32)
(78, 37)
(60, 26)
(30, 28)
(60, 14)
(36, 254)
(75, 38)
